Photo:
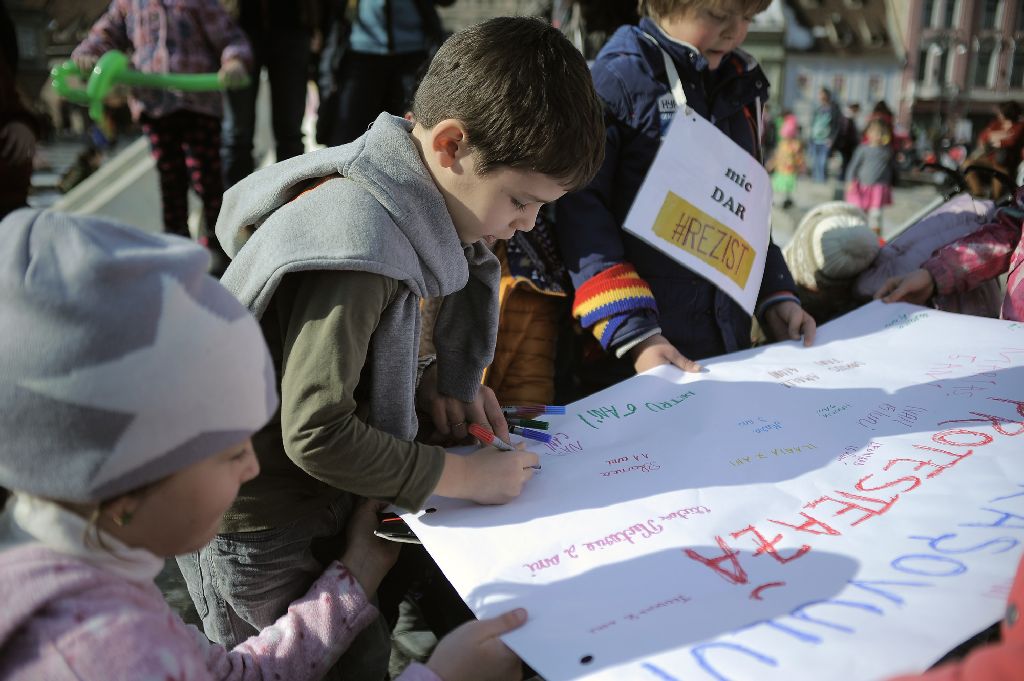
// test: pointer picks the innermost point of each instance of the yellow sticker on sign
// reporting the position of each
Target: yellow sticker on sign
(685, 226)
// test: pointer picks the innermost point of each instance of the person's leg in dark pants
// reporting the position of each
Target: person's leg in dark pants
(239, 123)
(362, 92)
(201, 144)
(287, 59)
(165, 145)
(403, 76)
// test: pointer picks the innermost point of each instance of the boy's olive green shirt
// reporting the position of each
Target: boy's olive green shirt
(319, 326)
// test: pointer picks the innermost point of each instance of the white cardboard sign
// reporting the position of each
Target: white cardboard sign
(706, 202)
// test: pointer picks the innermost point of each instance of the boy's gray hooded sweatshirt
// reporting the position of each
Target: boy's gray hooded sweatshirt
(383, 215)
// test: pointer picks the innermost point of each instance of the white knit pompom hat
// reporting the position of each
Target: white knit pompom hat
(832, 241)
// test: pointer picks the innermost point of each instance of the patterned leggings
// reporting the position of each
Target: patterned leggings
(186, 147)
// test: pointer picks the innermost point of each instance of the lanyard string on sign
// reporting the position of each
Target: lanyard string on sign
(679, 95)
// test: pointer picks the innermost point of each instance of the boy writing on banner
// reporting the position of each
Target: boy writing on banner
(643, 306)
(333, 251)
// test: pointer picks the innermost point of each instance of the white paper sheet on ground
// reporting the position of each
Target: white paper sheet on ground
(850, 510)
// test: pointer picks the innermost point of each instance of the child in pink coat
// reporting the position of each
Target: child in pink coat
(132, 383)
(993, 249)
(870, 175)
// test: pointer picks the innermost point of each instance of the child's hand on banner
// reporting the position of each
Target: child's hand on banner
(788, 321)
(916, 287)
(656, 351)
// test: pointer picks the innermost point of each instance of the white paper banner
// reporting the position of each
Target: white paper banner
(706, 203)
(850, 510)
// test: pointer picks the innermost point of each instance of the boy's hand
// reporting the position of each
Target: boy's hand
(917, 287)
(452, 416)
(488, 475)
(367, 556)
(789, 321)
(656, 351)
(473, 652)
(233, 74)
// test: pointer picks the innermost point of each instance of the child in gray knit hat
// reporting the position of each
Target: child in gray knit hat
(130, 383)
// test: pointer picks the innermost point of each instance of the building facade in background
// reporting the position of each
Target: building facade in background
(963, 57)
(852, 47)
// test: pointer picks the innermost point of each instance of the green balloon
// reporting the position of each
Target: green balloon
(108, 67)
(111, 69)
(59, 80)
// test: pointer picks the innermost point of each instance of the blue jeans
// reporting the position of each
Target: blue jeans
(285, 53)
(244, 581)
(820, 151)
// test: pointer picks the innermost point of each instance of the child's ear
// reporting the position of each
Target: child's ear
(448, 142)
(122, 509)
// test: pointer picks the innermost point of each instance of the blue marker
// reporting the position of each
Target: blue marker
(537, 435)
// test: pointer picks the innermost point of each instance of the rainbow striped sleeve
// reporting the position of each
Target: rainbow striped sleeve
(606, 300)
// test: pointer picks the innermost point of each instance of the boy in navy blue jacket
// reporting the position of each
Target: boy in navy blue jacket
(643, 306)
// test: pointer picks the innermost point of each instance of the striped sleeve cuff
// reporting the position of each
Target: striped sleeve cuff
(621, 351)
(605, 301)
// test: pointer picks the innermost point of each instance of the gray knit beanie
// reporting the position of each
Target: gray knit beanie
(121, 359)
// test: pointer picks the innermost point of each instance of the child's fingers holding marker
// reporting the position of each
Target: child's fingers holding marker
(492, 411)
(530, 461)
(497, 477)
(486, 411)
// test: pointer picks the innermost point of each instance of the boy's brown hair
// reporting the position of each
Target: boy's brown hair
(524, 94)
(660, 9)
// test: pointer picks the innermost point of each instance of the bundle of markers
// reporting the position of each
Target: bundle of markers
(523, 420)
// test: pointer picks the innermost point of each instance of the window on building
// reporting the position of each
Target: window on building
(928, 13)
(991, 10)
(874, 87)
(802, 84)
(1017, 67)
(951, 12)
(839, 86)
(983, 63)
(922, 64)
(942, 68)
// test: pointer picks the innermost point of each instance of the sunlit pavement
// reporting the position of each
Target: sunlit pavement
(908, 199)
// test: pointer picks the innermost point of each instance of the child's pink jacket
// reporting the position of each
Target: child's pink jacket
(995, 248)
(66, 619)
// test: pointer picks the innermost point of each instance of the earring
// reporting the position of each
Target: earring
(123, 518)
